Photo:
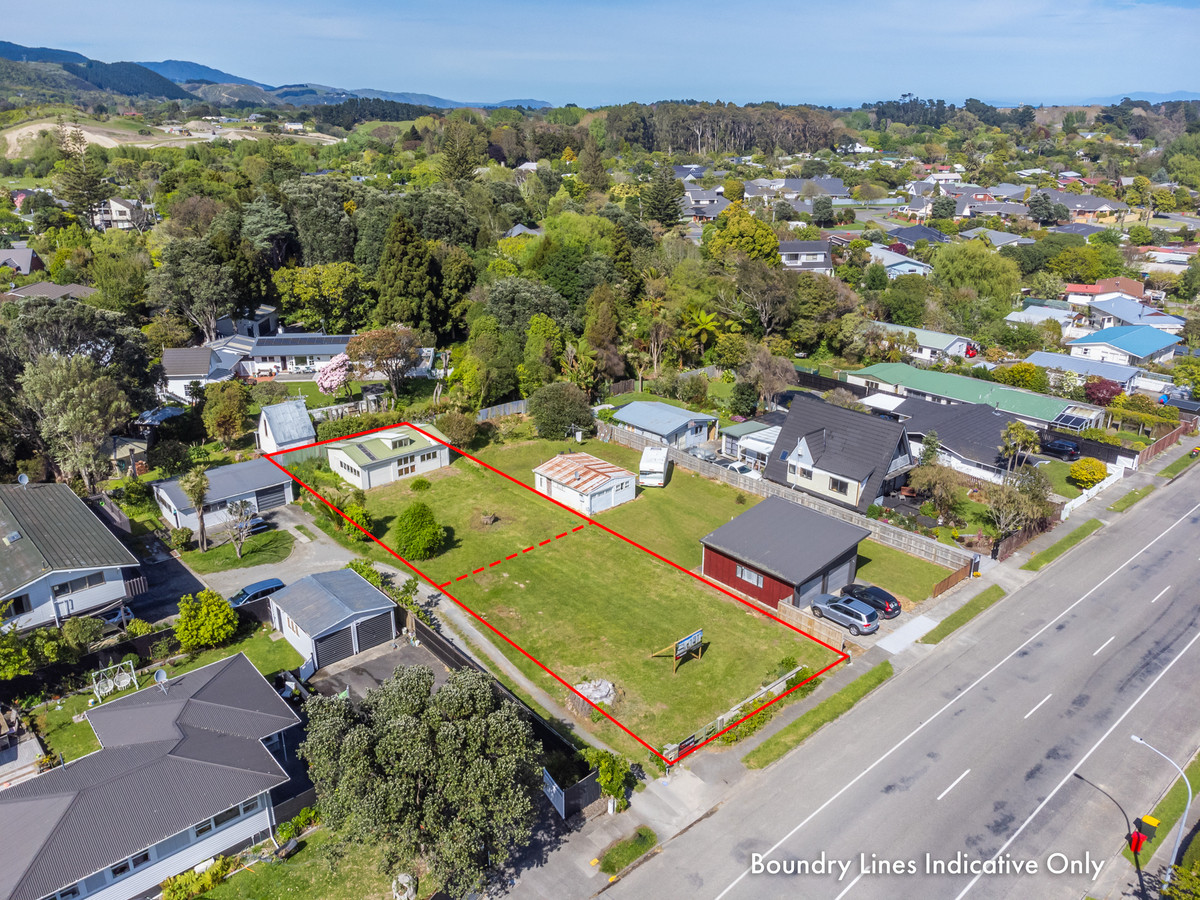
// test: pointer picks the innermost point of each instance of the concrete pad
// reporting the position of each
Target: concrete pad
(906, 635)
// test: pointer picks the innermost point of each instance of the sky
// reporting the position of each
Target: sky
(597, 53)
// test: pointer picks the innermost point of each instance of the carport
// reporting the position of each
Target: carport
(331, 616)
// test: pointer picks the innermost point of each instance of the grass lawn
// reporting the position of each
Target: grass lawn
(61, 734)
(905, 576)
(1131, 498)
(793, 735)
(963, 614)
(623, 853)
(1058, 471)
(309, 874)
(1168, 811)
(1178, 466)
(1057, 549)
(589, 605)
(260, 549)
(315, 399)
(306, 531)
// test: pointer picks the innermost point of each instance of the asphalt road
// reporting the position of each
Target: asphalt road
(976, 749)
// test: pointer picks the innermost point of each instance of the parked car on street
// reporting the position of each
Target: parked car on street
(255, 591)
(877, 598)
(854, 614)
(1064, 449)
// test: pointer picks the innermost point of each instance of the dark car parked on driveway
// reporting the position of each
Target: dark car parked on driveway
(1064, 449)
(854, 614)
(875, 597)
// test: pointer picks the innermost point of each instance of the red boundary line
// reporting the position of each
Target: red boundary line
(841, 656)
(492, 565)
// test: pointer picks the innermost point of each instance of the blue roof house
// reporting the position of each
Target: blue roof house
(666, 424)
(1126, 345)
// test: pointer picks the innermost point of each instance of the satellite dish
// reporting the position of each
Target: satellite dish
(160, 678)
(22, 479)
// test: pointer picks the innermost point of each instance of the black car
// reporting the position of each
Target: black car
(1068, 450)
(876, 598)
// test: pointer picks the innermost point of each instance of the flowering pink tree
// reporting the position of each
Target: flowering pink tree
(334, 375)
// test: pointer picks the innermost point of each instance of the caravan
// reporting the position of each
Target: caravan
(652, 471)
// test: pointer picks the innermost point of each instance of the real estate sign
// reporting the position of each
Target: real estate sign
(689, 643)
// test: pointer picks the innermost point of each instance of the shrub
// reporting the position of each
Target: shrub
(170, 457)
(132, 658)
(137, 494)
(557, 407)
(693, 389)
(192, 884)
(138, 627)
(205, 620)
(161, 649)
(1088, 472)
(419, 534)
(360, 517)
(1101, 436)
(739, 499)
(459, 429)
(180, 538)
(874, 511)
(743, 400)
(420, 484)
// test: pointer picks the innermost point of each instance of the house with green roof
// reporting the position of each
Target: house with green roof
(381, 457)
(1033, 409)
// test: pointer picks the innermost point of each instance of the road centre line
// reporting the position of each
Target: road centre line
(1160, 593)
(1075, 768)
(952, 784)
(1039, 706)
(953, 702)
(1105, 644)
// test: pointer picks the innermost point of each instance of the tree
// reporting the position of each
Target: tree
(79, 177)
(195, 283)
(392, 351)
(1101, 391)
(419, 535)
(334, 375)
(768, 373)
(766, 290)
(170, 457)
(972, 265)
(459, 429)
(743, 399)
(736, 234)
(462, 152)
(543, 350)
(445, 779)
(822, 210)
(80, 632)
(1017, 439)
(266, 227)
(612, 774)
(843, 398)
(1088, 472)
(944, 207)
(226, 405)
(15, 658)
(558, 409)
(660, 198)
(331, 298)
(735, 189)
(489, 369)
(941, 483)
(1023, 375)
(407, 282)
(513, 302)
(875, 277)
(194, 485)
(205, 620)
(591, 165)
(241, 514)
(930, 447)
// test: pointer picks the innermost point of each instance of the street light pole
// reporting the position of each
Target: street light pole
(1183, 821)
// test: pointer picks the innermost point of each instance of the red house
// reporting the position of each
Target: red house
(780, 551)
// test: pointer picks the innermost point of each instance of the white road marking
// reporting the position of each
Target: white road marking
(904, 740)
(1039, 706)
(952, 784)
(1078, 765)
(1105, 644)
(846, 890)
(1160, 593)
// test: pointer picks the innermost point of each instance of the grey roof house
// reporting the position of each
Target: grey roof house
(910, 234)
(22, 260)
(285, 426)
(58, 560)
(969, 435)
(806, 256)
(847, 457)
(184, 774)
(258, 481)
(665, 423)
(183, 365)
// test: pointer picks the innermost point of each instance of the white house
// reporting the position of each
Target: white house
(896, 264)
(667, 424)
(1126, 345)
(382, 457)
(57, 559)
(583, 482)
(932, 346)
(183, 365)
(292, 353)
(184, 774)
(330, 616)
(806, 256)
(258, 481)
(285, 426)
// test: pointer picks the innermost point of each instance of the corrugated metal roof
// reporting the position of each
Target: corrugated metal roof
(228, 481)
(967, 390)
(290, 422)
(581, 472)
(179, 362)
(328, 601)
(1083, 366)
(1136, 340)
(658, 418)
(140, 789)
(57, 531)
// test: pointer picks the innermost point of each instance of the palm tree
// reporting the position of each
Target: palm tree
(702, 326)
(194, 485)
(1017, 439)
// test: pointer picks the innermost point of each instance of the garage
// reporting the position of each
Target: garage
(331, 616)
(271, 498)
(584, 482)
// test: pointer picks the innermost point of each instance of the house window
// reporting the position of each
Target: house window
(250, 805)
(215, 507)
(431, 455)
(224, 818)
(75, 585)
(20, 605)
(69, 893)
(749, 575)
(141, 859)
(838, 486)
(204, 828)
(806, 474)
(120, 870)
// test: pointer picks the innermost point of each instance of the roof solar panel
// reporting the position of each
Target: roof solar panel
(367, 452)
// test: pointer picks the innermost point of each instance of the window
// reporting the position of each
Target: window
(75, 585)
(204, 828)
(20, 605)
(806, 474)
(427, 457)
(215, 507)
(838, 486)
(223, 818)
(68, 893)
(750, 575)
(120, 870)
(141, 859)
(250, 805)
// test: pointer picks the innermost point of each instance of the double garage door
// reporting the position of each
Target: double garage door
(341, 644)
(271, 498)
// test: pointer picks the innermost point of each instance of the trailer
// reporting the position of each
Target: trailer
(652, 471)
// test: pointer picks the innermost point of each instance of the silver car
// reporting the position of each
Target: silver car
(854, 614)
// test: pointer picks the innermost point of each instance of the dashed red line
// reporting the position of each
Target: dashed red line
(528, 549)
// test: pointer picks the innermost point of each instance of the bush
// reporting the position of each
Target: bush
(419, 535)
(180, 538)
(420, 484)
(138, 627)
(459, 429)
(205, 620)
(192, 884)
(743, 400)
(1101, 436)
(132, 658)
(161, 649)
(170, 457)
(557, 407)
(874, 511)
(1088, 472)
(360, 517)
(692, 389)
(136, 495)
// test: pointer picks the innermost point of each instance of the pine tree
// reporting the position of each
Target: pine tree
(407, 281)
(591, 166)
(661, 198)
(78, 179)
(461, 152)
(625, 266)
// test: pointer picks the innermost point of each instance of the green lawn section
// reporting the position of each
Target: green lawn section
(311, 873)
(1168, 811)
(893, 570)
(259, 550)
(1178, 466)
(1131, 498)
(822, 714)
(1057, 549)
(304, 530)
(624, 853)
(61, 734)
(668, 520)
(1058, 472)
(964, 614)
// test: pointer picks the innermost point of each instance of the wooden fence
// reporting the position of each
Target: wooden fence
(951, 580)
(1167, 440)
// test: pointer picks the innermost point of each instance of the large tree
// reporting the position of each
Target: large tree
(462, 152)
(195, 283)
(737, 234)
(514, 301)
(407, 281)
(226, 405)
(559, 408)
(79, 176)
(591, 165)
(333, 298)
(973, 265)
(660, 198)
(194, 485)
(392, 352)
(446, 778)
